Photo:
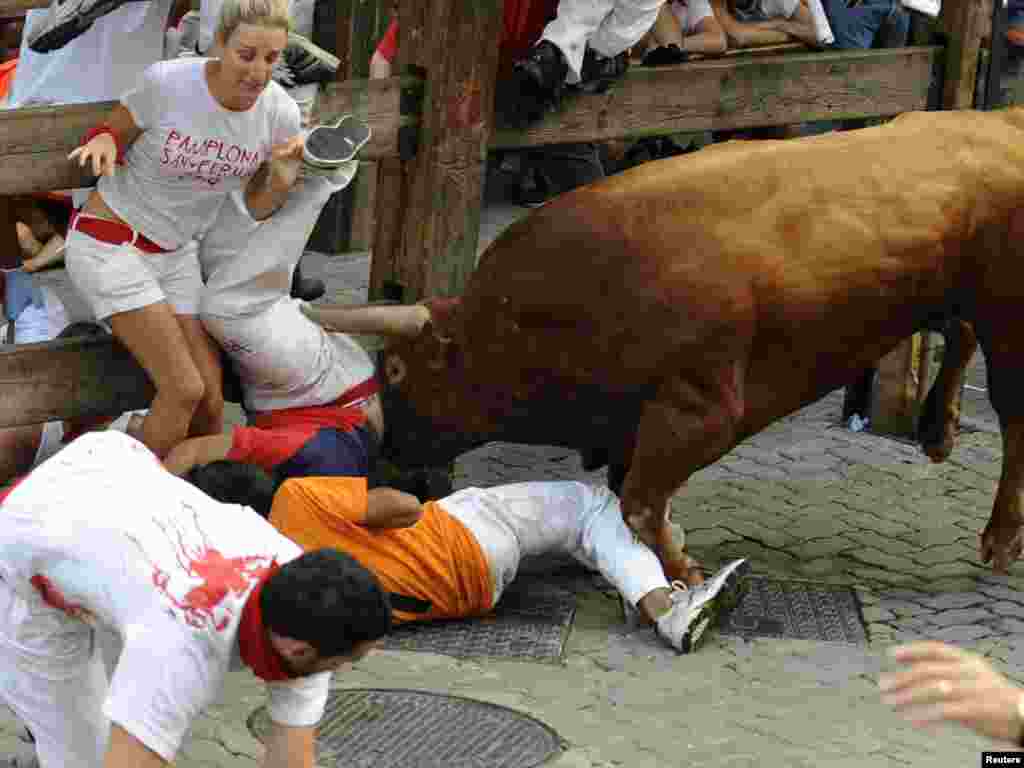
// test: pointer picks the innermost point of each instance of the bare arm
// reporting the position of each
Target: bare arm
(197, 451)
(102, 149)
(126, 751)
(387, 320)
(388, 508)
(290, 747)
(268, 188)
(801, 26)
(379, 66)
(747, 34)
(709, 39)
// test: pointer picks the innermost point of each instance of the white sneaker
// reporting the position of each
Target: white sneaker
(694, 609)
(339, 177)
(66, 20)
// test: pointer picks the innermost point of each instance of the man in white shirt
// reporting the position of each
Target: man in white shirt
(193, 587)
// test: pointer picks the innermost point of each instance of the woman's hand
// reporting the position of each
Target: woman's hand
(946, 683)
(101, 150)
(284, 163)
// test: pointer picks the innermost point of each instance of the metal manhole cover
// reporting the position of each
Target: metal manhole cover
(531, 623)
(398, 728)
(796, 609)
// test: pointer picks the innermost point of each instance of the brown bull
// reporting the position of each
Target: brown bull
(658, 318)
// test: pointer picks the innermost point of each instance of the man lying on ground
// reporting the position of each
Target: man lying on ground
(453, 558)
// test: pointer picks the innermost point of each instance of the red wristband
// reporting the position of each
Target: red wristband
(101, 129)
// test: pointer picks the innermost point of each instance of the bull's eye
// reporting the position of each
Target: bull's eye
(394, 369)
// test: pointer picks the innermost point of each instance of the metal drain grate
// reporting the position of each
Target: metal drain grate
(531, 623)
(399, 728)
(796, 609)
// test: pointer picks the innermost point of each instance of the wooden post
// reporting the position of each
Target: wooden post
(963, 22)
(456, 45)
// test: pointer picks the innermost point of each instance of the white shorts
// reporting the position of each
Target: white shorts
(120, 278)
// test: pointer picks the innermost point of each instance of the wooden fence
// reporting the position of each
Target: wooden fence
(432, 128)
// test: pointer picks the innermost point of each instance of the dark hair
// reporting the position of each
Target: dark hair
(328, 599)
(83, 328)
(236, 482)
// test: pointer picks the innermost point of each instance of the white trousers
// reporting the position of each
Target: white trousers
(608, 26)
(247, 265)
(55, 681)
(544, 518)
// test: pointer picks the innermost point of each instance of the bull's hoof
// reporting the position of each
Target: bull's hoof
(1001, 544)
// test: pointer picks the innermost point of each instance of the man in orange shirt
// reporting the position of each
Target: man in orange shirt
(454, 557)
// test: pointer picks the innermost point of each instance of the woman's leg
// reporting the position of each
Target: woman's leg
(156, 339)
(208, 418)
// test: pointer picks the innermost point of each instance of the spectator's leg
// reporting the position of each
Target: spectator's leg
(855, 27)
(895, 30)
(575, 26)
(621, 29)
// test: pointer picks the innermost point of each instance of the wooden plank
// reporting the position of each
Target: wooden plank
(698, 96)
(18, 7)
(964, 23)
(741, 93)
(74, 377)
(442, 221)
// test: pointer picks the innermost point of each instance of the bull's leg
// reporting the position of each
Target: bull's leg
(941, 412)
(1001, 541)
(692, 422)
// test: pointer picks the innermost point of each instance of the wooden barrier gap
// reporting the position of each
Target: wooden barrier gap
(66, 378)
(705, 95)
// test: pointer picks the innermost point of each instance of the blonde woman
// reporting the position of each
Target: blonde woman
(190, 133)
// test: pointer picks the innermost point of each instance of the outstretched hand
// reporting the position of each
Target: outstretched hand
(284, 163)
(101, 150)
(946, 683)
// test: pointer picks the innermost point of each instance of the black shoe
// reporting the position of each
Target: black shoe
(598, 72)
(665, 56)
(306, 288)
(534, 190)
(302, 63)
(536, 85)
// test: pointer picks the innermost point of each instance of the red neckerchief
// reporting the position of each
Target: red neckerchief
(253, 642)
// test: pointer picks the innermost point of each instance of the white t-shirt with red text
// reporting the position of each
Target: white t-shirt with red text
(192, 151)
(104, 533)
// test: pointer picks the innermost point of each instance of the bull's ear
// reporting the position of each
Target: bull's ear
(394, 369)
